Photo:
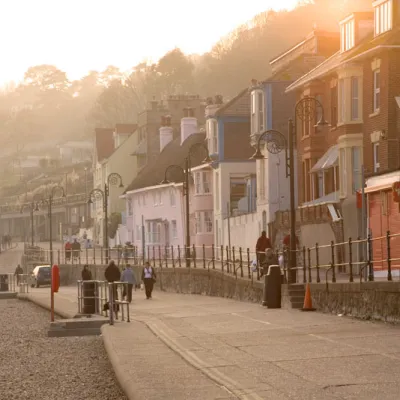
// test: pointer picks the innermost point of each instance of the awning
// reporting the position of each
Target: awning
(328, 160)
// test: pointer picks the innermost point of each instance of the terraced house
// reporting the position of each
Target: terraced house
(357, 87)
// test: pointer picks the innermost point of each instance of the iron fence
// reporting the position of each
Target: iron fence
(360, 259)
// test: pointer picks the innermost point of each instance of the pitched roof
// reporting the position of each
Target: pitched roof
(364, 48)
(125, 128)
(104, 143)
(226, 106)
(173, 154)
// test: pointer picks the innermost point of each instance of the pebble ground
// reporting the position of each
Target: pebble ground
(34, 366)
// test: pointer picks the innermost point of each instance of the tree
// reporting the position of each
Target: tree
(46, 77)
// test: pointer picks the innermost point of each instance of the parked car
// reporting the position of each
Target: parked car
(41, 275)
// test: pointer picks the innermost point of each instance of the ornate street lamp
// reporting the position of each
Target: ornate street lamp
(113, 179)
(306, 110)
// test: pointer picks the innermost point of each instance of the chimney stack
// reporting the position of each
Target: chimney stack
(188, 124)
(166, 131)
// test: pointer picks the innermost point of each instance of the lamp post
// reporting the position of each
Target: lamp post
(32, 207)
(86, 205)
(113, 179)
(306, 110)
(186, 173)
(49, 203)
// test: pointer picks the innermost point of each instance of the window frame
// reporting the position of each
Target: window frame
(174, 229)
(347, 35)
(375, 156)
(383, 16)
(356, 169)
(258, 111)
(354, 98)
(376, 90)
(204, 225)
(212, 135)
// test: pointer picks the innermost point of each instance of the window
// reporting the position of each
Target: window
(174, 229)
(217, 194)
(130, 208)
(172, 197)
(257, 111)
(212, 136)
(321, 186)
(261, 181)
(153, 232)
(376, 157)
(203, 222)
(343, 171)
(201, 181)
(342, 103)
(354, 99)
(383, 17)
(238, 191)
(347, 35)
(356, 165)
(334, 105)
(377, 90)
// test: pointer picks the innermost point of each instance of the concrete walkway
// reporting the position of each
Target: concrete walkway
(212, 348)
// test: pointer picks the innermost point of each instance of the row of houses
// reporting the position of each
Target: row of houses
(352, 77)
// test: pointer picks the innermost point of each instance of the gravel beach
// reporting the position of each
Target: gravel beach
(37, 367)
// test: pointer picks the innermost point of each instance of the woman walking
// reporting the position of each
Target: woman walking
(148, 278)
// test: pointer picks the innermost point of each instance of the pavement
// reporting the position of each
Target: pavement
(183, 347)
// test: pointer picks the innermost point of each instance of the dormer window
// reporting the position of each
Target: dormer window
(383, 16)
(347, 34)
(212, 136)
(257, 111)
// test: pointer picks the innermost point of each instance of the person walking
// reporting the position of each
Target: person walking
(18, 272)
(263, 243)
(113, 274)
(128, 277)
(148, 278)
(68, 250)
(86, 273)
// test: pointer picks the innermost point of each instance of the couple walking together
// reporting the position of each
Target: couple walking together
(113, 274)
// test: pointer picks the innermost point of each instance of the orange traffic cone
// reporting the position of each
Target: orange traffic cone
(307, 306)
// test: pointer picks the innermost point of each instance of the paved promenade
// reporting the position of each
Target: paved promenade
(183, 347)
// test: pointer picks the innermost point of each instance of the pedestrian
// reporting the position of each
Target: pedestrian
(148, 278)
(270, 259)
(263, 243)
(86, 273)
(113, 274)
(128, 277)
(68, 249)
(76, 249)
(18, 273)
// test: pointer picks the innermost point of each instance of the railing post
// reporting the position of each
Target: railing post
(87, 255)
(204, 256)
(241, 262)
(227, 260)
(179, 256)
(333, 261)
(222, 258)
(351, 277)
(309, 265)
(101, 255)
(317, 262)
(213, 255)
(148, 253)
(370, 261)
(194, 256)
(172, 257)
(248, 265)
(154, 257)
(159, 257)
(166, 256)
(233, 261)
(389, 261)
(94, 254)
(58, 257)
(304, 265)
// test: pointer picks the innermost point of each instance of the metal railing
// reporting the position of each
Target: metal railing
(373, 258)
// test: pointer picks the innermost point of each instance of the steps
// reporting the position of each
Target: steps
(77, 327)
(296, 295)
(8, 295)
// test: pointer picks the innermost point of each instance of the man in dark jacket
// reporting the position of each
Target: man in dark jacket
(113, 274)
(263, 243)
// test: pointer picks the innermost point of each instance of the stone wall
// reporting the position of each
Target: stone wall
(369, 300)
(183, 280)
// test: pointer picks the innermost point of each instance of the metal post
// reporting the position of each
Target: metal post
(333, 262)
(32, 228)
(389, 261)
(51, 260)
(309, 265)
(187, 252)
(228, 211)
(351, 260)
(317, 262)
(304, 265)
(363, 218)
(370, 261)
(293, 258)
(143, 242)
(105, 207)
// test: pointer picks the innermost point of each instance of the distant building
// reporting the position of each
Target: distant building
(75, 152)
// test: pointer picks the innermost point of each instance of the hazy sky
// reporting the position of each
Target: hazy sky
(80, 35)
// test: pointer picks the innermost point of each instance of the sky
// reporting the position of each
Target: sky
(82, 35)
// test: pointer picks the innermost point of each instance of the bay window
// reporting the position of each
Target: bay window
(257, 111)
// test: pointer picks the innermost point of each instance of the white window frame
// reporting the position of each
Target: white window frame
(217, 192)
(203, 222)
(376, 157)
(258, 117)
(383, 16)
(202, 183)
(172, 197)
(356, 168)
(347, 35)
(341, 101)
(174, 229)
(153, 232)
(321, 183)
(212, 135)
(355, 98)
(377, 90)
